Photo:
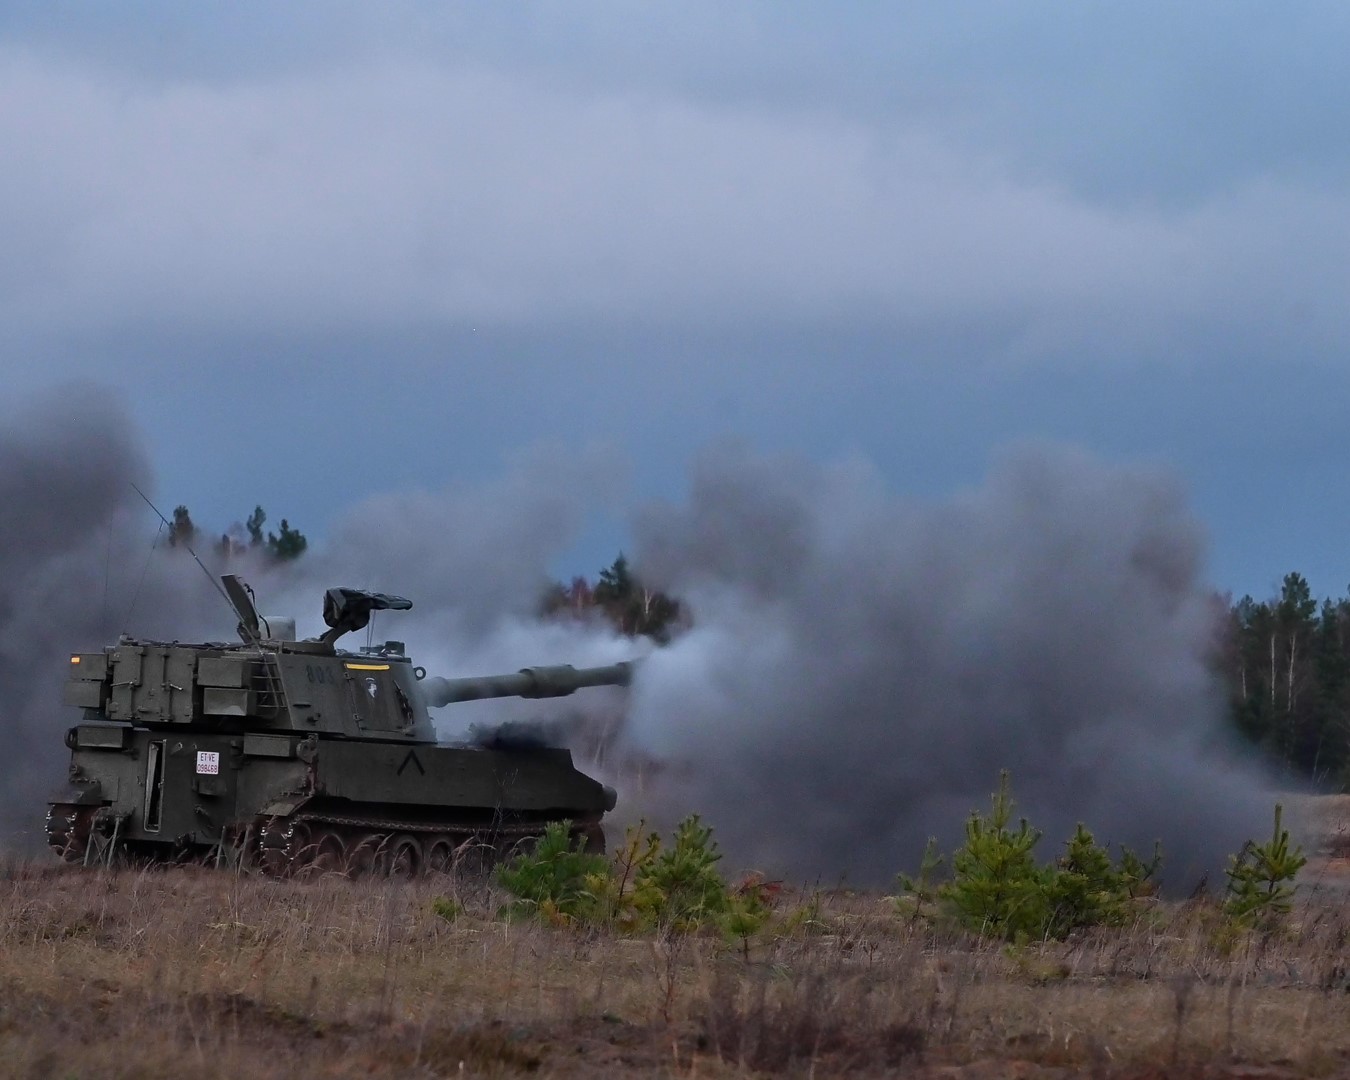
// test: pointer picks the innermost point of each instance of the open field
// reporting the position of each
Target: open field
(211, 974)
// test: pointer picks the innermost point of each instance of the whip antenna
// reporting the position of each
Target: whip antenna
(209, 576)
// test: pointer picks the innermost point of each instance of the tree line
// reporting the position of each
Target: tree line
(619, 597)
(287, 543)
(1286, 663)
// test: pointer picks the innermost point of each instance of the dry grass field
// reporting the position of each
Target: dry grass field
(188, 972)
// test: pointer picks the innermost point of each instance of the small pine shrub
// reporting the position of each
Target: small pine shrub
(1086, 889)
(750, 909)
(998, 889)
(443, 907)
(806, 918)
(631, 862)
(919, 895)
(1261, 879)
(555, 879)
(646, 885)
(679, 886)
(1137, 877)
(746, 915)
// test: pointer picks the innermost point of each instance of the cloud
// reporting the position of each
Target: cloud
(1157, 102)
(404, 194)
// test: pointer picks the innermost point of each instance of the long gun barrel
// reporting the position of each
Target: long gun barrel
(535, 682)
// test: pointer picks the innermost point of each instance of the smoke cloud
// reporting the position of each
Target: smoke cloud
(74, 562)
(857, 672)
(475, 561)
(860, 670)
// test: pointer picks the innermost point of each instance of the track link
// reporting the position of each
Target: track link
(314, 843)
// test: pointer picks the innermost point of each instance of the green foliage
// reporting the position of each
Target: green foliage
(1287, 663)
(181, 529)
(553, 879)
(748, 912)
(1261, 878)
(616, 582)
(288, 543)
(619, 596)
(680, 886)
(805, 918)
(646, 885)
(254, 525)
(1086, 889)
(615, 889)
(1135, 875)
(443, 907)
(998, 889)
(996, 886)
(918, 895)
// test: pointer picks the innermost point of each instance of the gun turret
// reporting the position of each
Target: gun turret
(535, 682)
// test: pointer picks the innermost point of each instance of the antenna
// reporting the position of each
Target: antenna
(107, 575)
(135, 596)
(249, 630)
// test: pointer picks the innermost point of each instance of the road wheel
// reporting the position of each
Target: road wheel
(329, 855)
(404, 857)
(366, 854)
(440, 858)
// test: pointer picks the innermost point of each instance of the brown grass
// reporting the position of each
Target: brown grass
(205, 973)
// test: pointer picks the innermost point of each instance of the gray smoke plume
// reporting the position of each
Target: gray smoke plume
(860, 670)
(857, 672)
(475, 562)
(74, 568)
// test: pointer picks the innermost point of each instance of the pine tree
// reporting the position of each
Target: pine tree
(181, 529)
(1261, 878)
(552, 879)
(631, 606)
(254, 525)
(288, 544)
(616, 583)
(681, 887)
(1294, 616)
(1087, 889)
(996, 886)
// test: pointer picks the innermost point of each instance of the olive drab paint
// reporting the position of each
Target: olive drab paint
(298, 753)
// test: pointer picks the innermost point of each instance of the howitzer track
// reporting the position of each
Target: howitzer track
(306, 843)
(309, 844)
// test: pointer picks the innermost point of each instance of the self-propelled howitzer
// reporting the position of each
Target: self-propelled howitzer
(298, 754)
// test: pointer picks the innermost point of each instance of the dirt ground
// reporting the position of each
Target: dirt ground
(212, 974)
(1322, 822)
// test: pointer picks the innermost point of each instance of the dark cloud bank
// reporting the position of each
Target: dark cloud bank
(857, 673)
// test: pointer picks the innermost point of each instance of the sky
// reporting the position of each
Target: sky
(325, 252)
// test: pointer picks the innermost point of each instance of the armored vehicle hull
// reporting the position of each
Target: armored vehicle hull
(291, 801)
(295, 755)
